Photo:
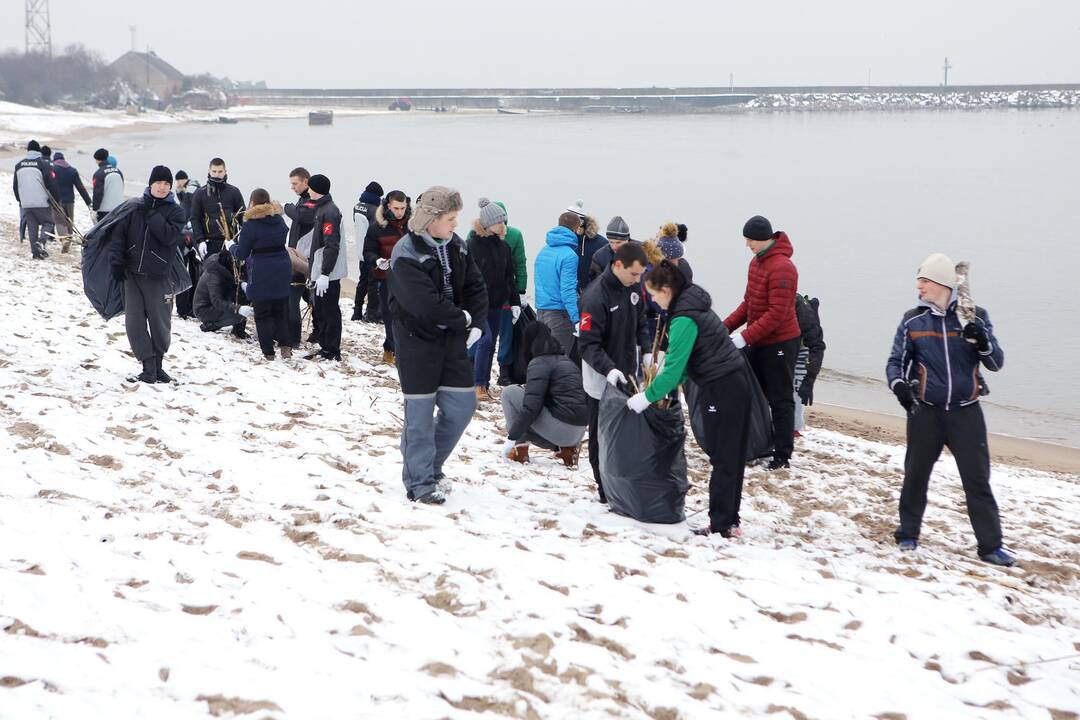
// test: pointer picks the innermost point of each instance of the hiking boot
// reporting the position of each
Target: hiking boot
(483, 394)
(569, 455)
(240, 333)
(907, 546)
(504, 376)
(388, 357)
(443, 484)
(208, 327)
(374, 318)
(160, 375)
(518, 454)
(148, 374)
(435, 497)
(327, 355)
(317, 355)
(999, 557)
(357, 315)
(778, 464)
(286, 352)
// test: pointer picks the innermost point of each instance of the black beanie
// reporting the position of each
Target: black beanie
(160, 172)
(101, 154)
(33, 146)
(372, 187)
(320, 184)
(181, 175)
(758, 228)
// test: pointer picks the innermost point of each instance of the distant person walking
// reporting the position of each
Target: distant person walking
(108, 185)
(390, 225)
(68, 182)
(366, 290)
(34, 186)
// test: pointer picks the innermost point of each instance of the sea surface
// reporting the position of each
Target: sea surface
(864, 196)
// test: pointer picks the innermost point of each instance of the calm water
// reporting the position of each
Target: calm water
(864, 197)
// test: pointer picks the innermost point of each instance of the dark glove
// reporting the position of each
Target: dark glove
(118, 273)
(904, 396)
(806, 392)
(975, 333)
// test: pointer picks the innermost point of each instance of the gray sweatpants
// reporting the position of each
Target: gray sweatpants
(147, 315)
(37, 219)
(558, 322)
(546, 431)
(428, 439)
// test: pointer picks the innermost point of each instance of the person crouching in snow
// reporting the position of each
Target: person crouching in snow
(496, 263)
(439, 304)
(700, 349)
(263, 238)
(935, 349)
(551, 410)
(216, 298)
(142, 247)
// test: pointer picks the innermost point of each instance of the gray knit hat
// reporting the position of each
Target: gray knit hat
(490, 213)
(617, 229)
(432, 203)
(940, 269)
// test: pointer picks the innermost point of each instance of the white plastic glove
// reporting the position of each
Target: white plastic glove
(382, 264)
(638, 403)
(468, 318)
(247, 311)
(243, 286)
(739, 340)
(202, 249)
(515, 311)
(660, 358)
(228, 244)
(615, 377)
(577, 329)
(474, 335)
(646, 360)
(322, 285)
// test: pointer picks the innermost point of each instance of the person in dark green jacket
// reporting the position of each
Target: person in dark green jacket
(700, 350)
(516, 242)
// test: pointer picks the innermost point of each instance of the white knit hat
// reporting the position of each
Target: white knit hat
(940, 269)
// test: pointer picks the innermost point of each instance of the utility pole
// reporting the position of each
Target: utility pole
(731, 83)
(131, 28)
(38, 27)
(947, 67)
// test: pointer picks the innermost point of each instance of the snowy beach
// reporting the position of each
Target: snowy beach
(240, 545)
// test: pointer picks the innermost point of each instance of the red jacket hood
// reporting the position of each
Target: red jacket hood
(782, 246)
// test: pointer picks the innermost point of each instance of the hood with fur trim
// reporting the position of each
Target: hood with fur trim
(481, 231)
(264, 210)
(382, 221)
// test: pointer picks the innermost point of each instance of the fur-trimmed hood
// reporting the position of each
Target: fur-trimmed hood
(592, 228)
(481, 231)
(264, 210)
(382, 221)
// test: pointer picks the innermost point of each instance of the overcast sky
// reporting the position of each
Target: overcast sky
(439, 43)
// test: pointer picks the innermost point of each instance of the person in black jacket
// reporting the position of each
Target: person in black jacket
(35, 190)
(142, 247)
(363, 216)
(439, 303)
(613, 336)
(67, 183)
(327, 262)
(551, 410)
(700, 349)
(184, 194)
(391, 223)
(215, 203)
(302, 216)
(107, 183)
(496, 263)
(811, 355)
(217, 299)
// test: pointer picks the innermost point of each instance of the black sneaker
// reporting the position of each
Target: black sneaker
(160, 375)
(778, 464)
(999, 557)
(435, 497)
(357, 316)
(504, 376)
(240, 334)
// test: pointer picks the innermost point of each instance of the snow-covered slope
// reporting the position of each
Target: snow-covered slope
(241, 544)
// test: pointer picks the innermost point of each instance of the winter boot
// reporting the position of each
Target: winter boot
(239, 332)
(435, 497)
(160, 375)
(208, 327)
(569, 455)
(388, 357)
(779, 463)
(999, 557)
(148, 374)
(504, 376)
(483, 394)
(357, 314)
(286, 352)
(907, 546)
(518, 454)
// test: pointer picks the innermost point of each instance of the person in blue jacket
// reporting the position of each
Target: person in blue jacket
(934, 371)
(263, 239)
(556, 277)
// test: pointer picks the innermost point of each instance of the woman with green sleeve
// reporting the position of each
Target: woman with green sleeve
(700, 350)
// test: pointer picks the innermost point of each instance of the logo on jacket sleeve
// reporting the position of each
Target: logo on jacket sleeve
(328, 228)
(586, 322)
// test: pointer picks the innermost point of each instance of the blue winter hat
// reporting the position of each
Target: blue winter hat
(111, 161)
(671, 247)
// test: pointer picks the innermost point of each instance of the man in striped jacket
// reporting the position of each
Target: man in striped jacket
(933, 370)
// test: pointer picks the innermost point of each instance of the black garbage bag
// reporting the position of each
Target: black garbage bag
(760, 438)
(642, 461)
(179, 273)
(519, 366)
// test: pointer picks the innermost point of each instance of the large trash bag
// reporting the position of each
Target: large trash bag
(179, 274)
(642, 461)
(104, 291)
(519, 365)
(760, 437)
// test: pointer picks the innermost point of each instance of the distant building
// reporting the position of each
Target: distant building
(149, 72)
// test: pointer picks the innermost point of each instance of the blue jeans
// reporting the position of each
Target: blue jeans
(484, 349)
(506, 339)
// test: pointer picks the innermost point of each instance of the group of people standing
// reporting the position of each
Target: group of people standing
(611, 311)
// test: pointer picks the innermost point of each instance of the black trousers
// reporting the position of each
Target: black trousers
(327, 318)
(184, 300)
(388, 321)
(367, 287)
(774, 367)
(296, 293)
(594, 444)
(724, 407)
(271, 323)
(963, 431)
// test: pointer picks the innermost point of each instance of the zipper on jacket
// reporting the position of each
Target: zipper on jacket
(948, 365)
(142, 253)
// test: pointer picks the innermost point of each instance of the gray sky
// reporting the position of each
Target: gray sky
(429, 43)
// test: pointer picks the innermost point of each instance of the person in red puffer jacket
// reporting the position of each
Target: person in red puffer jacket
(771, 335)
